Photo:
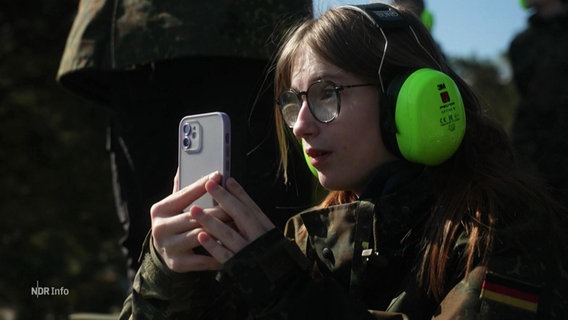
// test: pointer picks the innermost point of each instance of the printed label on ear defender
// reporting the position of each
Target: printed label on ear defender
(449, 113)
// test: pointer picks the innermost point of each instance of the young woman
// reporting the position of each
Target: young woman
(451, 231)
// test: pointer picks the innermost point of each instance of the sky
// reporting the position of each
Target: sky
(468, 28)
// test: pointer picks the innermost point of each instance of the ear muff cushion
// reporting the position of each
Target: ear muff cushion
(429, 116)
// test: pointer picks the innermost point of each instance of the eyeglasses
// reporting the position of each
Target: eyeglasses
(324, 101)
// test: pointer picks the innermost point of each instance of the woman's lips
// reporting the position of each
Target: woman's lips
(317, 156)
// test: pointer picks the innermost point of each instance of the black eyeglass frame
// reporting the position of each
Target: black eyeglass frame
(337, 88)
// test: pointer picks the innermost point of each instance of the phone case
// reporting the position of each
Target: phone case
(204, 147)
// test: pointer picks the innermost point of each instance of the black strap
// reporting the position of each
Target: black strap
(363, 247)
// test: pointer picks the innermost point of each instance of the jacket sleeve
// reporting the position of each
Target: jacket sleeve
(483, 294)
(272, 275)
(517, 283)
(159, 293)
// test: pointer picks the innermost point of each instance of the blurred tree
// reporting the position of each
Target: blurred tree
(58, 224)
(493, 85)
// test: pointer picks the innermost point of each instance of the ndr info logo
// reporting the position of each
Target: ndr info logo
(48, 291)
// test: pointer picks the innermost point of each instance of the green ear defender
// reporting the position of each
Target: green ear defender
(523, 4)
(428, 19)
(313, 170)
(423, 116)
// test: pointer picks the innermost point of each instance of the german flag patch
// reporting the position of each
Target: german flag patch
(510, 292)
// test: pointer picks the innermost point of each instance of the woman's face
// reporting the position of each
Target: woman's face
(348, 149)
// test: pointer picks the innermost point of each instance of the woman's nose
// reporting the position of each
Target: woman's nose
(305, 123)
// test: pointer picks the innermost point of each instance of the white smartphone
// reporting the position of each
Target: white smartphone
(204, 147)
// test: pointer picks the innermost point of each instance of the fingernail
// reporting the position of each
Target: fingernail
(195, 211)
(212, 186)
(231, 182)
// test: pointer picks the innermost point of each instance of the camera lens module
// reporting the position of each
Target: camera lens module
(186, 128)
(186, 143)
(190, 136)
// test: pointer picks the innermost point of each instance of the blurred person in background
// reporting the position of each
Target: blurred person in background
(153, 62)
(539, 59)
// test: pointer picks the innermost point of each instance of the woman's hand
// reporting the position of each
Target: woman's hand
(174, 232)
(223, 240)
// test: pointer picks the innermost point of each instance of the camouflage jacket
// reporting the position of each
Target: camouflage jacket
(112, 35)
(352, 261)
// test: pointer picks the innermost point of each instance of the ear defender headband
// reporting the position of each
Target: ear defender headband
(423, 115)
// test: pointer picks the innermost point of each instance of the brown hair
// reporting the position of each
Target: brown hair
(478, 188)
